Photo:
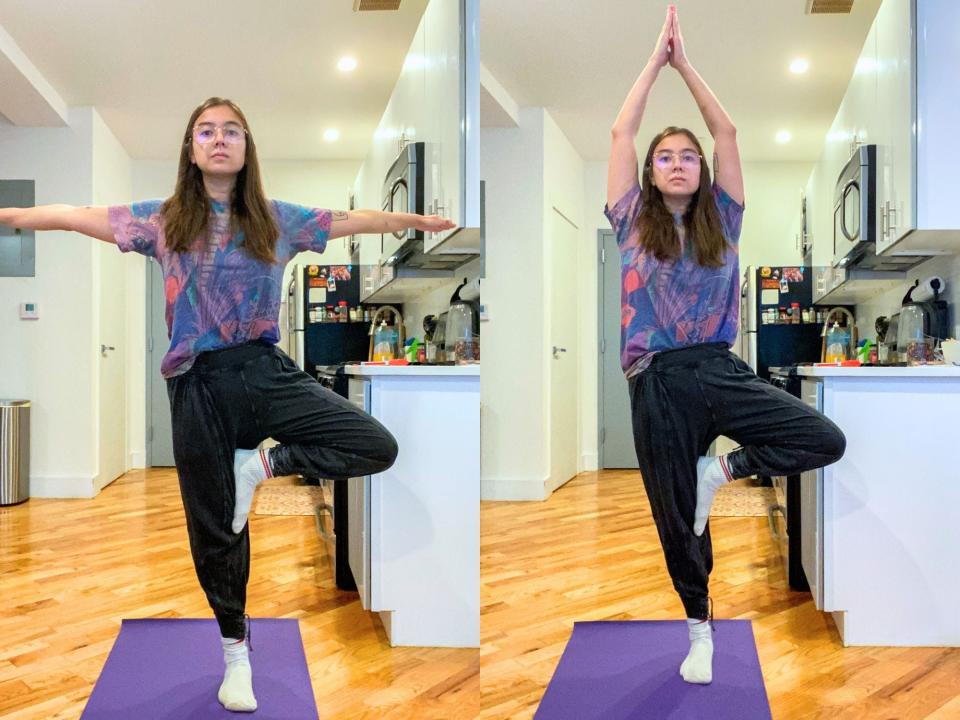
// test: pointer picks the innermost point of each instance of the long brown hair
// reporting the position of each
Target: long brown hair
(186, 213)
(701, 220)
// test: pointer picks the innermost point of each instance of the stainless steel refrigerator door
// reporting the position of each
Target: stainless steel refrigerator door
(748, 301)
(295, 317)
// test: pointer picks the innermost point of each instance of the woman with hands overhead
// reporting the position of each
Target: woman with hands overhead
(678, 233)
(223, 246)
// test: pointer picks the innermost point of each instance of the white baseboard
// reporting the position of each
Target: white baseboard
(63, 486)
(513, 489)
(589, 462)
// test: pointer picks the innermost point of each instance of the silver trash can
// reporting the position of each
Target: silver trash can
(14, 451)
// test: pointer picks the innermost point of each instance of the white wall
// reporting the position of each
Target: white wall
(946, 267)
(50, 361)
(512, 390)
(437, 301)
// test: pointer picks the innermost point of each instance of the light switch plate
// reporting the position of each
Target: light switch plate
(29, 311)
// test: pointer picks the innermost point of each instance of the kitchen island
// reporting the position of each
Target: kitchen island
(881, 527)
(414, 530)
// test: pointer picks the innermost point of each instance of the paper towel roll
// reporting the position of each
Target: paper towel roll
(925, 290)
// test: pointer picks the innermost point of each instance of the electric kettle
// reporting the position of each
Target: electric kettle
(461, 334)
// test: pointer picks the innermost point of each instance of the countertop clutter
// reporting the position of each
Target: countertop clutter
(415, 370)
(880, 371)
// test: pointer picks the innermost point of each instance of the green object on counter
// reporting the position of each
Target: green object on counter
(410, 351)
(863, 352)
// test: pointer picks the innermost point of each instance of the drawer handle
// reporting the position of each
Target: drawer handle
(771, 511)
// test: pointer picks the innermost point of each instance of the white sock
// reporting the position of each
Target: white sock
(698, 666)
(236, 690)
(250, 468)
(712, 474)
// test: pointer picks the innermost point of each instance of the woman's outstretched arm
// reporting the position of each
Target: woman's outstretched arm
(375, 221)
(622, 165)
(726, 156)
(92, 221)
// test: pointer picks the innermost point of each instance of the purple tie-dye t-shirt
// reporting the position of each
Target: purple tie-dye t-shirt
(216, 295)
(673, 304)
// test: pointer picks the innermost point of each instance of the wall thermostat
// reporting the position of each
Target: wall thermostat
(29, 311)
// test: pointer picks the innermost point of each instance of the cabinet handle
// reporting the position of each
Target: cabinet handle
(883, 219)
(891, 224)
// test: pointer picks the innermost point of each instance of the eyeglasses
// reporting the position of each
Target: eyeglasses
(666, 158)
(207, 132)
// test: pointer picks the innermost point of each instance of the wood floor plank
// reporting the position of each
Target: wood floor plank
(590, 552)
(73, 569)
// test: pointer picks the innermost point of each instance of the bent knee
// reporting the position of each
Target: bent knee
(834, 445)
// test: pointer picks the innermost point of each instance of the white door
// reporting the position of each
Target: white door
(111, 357)
(563, 295)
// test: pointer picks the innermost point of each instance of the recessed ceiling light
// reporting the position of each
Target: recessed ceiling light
(331, 134)
(799, 66)
(783, 136)
(347, 64)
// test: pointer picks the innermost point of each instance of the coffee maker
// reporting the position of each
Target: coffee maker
(461, 335)
(922, 324)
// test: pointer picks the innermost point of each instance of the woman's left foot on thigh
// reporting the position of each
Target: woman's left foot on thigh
(711, 476)
(250, 468)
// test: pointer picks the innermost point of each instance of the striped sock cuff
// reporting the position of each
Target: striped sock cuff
(726, 468)
(265, 459)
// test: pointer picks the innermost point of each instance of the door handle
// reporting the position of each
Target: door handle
(104, 348)
(557, 350)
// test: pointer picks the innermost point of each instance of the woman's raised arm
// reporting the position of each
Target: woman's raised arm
(622, 165)
(726, 156)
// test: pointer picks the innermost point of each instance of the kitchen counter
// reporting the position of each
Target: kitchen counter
(922, 371)
(882, 534)
(415, 370)
(414, 530)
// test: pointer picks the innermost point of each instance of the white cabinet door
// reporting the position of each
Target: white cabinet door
(895, 144)
(444, 176)
(358, 510)
(860, 102)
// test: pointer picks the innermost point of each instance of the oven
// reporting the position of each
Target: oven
(785, 515)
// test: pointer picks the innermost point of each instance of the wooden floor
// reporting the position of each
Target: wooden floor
(591, 552)
(72, 569)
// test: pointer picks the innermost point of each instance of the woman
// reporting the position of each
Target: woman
(223, 247)
(678, 236)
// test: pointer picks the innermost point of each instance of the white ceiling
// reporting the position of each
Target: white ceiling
(579, 60)
(146, 64)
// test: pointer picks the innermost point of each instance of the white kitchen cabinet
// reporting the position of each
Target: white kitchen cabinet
(414, 529)
(452, 178)
(918, 115)
(879, 548)
(894, 144)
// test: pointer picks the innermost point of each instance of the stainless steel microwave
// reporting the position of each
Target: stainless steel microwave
(855, 209)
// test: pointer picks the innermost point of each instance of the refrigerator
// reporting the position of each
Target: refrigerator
(314, 345)
(765, 345)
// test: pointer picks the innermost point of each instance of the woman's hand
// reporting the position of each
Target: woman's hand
(433, 223)
(678, 55)
(661, 54)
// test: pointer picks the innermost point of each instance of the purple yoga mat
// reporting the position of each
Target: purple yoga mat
(630, 670)
(172, 669)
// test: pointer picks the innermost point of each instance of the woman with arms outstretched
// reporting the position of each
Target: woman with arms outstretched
(223, 248)
(678, 233)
